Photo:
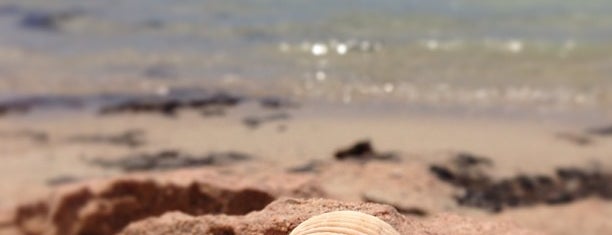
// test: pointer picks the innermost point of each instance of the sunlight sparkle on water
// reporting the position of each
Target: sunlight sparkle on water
(342, 49)
(319, 49)
(514, 46)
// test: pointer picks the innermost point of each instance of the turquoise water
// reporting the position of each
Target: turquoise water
(537, 53)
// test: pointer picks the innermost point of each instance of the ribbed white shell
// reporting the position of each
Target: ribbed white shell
(344, 222)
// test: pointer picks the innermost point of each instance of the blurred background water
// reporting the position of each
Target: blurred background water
(533, 54)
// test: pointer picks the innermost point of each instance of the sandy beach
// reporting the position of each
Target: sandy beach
(235, 117)
(45, 152)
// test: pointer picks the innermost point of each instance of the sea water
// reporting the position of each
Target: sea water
(534, 54)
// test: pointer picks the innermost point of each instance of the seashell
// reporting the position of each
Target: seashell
(344, 222)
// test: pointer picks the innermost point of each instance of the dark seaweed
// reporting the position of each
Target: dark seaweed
(129, 138)
(47, 20)
(256, 121)
(168, 160)
(169, 104)
(480, 190)
(363, 150)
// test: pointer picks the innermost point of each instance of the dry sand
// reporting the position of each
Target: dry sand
(29, 161)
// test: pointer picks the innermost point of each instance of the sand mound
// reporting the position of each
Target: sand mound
(283, 215)
(107, 207)
(245, 200)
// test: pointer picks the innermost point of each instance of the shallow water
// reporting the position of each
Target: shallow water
(537, 54)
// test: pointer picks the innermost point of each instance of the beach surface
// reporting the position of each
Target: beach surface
(249, 117)
(45, 152)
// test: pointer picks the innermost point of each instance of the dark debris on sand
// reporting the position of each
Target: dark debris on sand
(10, 108)
(578, 139)
(277, 103)
(21, 105)
(168, 160)
(483, 191)
(130, 138)
(168, 105)
(46, 20)
(363, 150)
(601, 131)
(256, 121)
(114, 103)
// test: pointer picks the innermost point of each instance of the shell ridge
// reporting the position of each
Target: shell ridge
(344, 223)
